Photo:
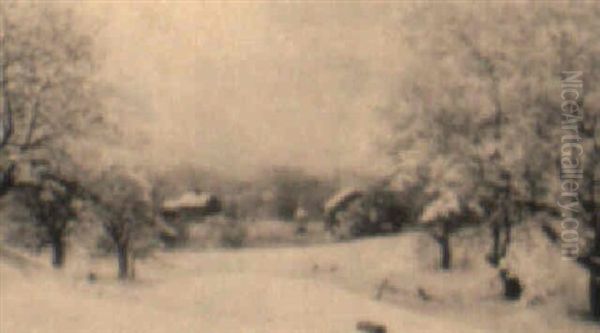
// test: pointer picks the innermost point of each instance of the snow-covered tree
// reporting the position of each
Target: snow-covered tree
(481, 91)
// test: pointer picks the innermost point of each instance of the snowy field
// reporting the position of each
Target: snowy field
(325, 288)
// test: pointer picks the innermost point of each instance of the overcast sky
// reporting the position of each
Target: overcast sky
(243, 86)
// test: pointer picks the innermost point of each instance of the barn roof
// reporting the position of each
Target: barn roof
(341, 198)
(189, 200)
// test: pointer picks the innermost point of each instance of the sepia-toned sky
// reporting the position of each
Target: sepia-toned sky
(238, 87)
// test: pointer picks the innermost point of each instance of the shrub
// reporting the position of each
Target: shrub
(233, 235)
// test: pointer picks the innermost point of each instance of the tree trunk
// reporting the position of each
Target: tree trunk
(507, 237)
(501, 237)
(594, 191)
(594, 293)
(58, 251)
(123, 259)
(494, 257)
(445, 252)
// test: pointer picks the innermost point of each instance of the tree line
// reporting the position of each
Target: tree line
(51, 99)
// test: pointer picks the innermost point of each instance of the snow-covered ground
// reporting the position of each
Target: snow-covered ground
(325, 288)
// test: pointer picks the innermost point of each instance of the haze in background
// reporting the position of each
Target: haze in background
(241, 87)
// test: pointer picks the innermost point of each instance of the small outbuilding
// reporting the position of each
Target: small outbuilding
(177, 213)
(190, 207)
(337, 203)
